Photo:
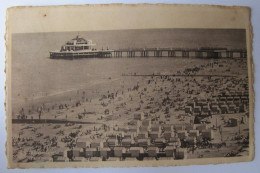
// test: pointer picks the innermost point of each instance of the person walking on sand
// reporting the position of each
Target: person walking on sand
(40, 113)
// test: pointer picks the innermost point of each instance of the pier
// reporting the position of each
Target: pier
(79, 47)
(172, 52)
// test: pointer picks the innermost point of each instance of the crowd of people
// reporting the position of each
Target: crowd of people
(162, 98)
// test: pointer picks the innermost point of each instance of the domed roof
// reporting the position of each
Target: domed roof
(79, 40)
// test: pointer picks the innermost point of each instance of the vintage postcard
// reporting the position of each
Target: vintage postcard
(128, 85)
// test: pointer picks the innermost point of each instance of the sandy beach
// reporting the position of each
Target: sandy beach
(110, 105)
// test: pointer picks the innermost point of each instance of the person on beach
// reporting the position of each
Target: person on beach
(40, 113)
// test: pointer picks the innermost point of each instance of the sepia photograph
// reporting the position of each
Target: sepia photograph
(139, 96)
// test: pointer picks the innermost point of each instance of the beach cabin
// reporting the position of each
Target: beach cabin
(223, 99)
(201, 103)
(146, 122)
(242, 108)
(181, 153)
(229, 99)
(119, 151)
(189, 127)
(136, 151)
(205, 110)
(127, 142)
(168, 134)
(175, 141)
(76, 152)
(91, 152)
(159, 142)
(229, 102)
(134, 129)
(97, 143)
(233, 109)
(194, 133)
(191, 141)
(182, 134)
(152, 151)
(188, 109)
(105, 152)
(142, 135)
(221, 103)
(191, 104)
(143, 142)
(111, 142)
(156, 128)
(169, 151)
(244, 99)
(207, 134)
(112, 134)
(130, 135)
(168, 127)
(237, 102)
(224, 109)
(178, 127)
(144, 129)
(197, 110)
(82, 143)
(215, 109)
(154, 135)
(61, 152)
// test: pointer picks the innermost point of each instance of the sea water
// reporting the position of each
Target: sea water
(35, 76)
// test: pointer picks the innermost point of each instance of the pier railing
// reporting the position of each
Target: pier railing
(178, 52)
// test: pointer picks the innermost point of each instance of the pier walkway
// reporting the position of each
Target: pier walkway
(174, 52)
